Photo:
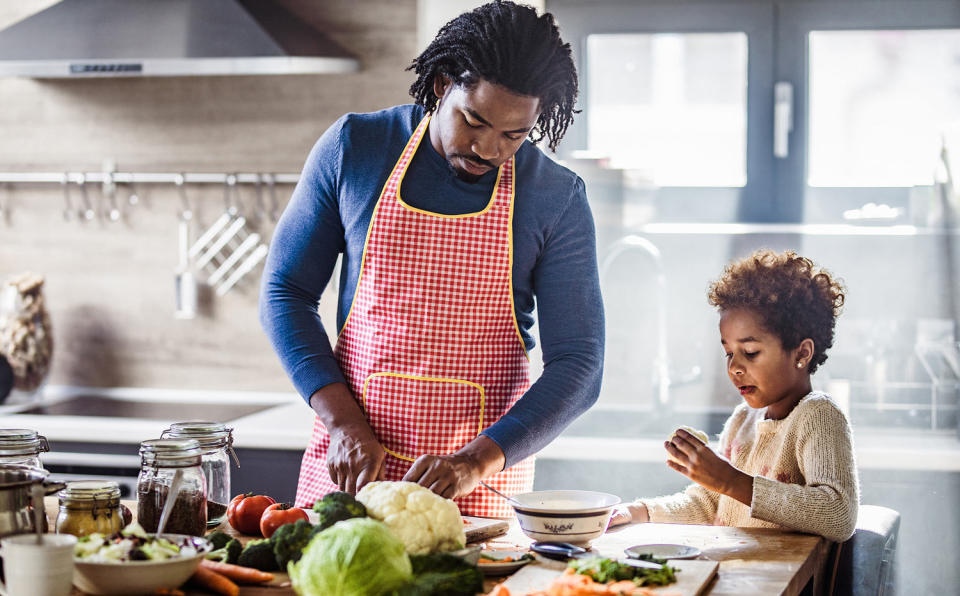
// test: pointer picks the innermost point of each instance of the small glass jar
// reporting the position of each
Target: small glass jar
(161, 462)
(22, 446)
(89, 506)
(215, 441)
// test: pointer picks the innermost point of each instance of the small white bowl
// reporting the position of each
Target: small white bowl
(470, 554)
(139, 577)
(575, 516)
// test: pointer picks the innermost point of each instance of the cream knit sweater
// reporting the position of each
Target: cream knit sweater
(804, 474)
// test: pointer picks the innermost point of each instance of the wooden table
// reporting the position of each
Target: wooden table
(752, 560)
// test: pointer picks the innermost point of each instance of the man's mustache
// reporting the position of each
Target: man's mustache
(475, 160)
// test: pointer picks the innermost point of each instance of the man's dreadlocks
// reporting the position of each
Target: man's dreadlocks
(509, 45)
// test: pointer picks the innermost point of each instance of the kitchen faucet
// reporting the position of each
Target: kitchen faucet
(661, 364)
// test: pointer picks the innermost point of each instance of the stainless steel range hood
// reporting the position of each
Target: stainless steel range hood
(109, 38)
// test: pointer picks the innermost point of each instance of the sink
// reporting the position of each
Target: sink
(99, 405)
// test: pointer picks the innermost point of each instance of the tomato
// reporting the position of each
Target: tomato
(244, 512)
(277, 515)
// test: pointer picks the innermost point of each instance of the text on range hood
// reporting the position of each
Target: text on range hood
(108, 38)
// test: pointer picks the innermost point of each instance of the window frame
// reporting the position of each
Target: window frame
(777, 50)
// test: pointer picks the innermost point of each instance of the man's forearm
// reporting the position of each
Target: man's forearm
(485, 454)
(338, 410)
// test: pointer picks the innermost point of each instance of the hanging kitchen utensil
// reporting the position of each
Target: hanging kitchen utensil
(184, 280)
(227, 250)
(271, 181)
(67, 202)
(85, 211)
(185, 283)
(110, 193)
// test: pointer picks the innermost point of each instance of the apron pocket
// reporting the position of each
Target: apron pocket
(412, 416)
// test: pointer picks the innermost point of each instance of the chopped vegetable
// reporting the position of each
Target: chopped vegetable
(604, 570)
(259, 555)
(215, 582)
(130, 544)
(572, 584)
(238, 573)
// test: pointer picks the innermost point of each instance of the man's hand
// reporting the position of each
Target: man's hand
(699, 463)
(355, 456)
(459, 473)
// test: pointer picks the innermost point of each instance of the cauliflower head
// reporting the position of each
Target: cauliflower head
(425, 522)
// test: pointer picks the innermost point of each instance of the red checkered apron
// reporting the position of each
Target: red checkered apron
(431, 347)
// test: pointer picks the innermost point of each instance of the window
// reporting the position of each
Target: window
(670, 105)
(881, 103)
(681, 94)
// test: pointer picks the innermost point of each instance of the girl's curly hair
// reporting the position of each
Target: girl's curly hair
(794, 298)
(510, 45)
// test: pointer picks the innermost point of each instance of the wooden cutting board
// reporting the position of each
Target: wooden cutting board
(479, 529)
(693, 577)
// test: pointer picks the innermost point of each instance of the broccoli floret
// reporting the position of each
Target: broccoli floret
(331, 514)
(219, 539)
(340, 498)
(442, 575)
(259, 555)
(289, 540)
(228, 554)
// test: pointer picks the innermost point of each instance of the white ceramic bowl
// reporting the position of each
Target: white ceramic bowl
(470, 554)
(575, 516)
(139, 577)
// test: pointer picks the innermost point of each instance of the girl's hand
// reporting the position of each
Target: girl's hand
(628, 514)
(699, 463)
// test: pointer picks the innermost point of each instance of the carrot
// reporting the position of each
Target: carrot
(215, 582)
(238, 573)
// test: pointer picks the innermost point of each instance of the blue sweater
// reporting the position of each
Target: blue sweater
(554, 262)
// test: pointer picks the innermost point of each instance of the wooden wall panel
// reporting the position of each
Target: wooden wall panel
(110, 286)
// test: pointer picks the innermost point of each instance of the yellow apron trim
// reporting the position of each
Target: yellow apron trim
(490, 203)
(513, 306)
(373, 217)
(479, 388)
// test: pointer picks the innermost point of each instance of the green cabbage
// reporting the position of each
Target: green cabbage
(354, 557)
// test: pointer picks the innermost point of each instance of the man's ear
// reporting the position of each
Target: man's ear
(441, 84)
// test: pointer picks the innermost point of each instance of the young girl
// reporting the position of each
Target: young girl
(786, 455)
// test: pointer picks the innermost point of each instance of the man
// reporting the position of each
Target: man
(450, 222)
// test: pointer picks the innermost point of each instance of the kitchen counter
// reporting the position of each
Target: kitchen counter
(285, 423)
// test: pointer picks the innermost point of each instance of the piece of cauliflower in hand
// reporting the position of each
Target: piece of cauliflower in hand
(424, 521)
(699, 434)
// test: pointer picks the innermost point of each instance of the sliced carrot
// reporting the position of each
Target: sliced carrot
(238, 573)
(212, 580)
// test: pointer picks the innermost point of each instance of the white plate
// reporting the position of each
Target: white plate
(664, 551)
(505, 567)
